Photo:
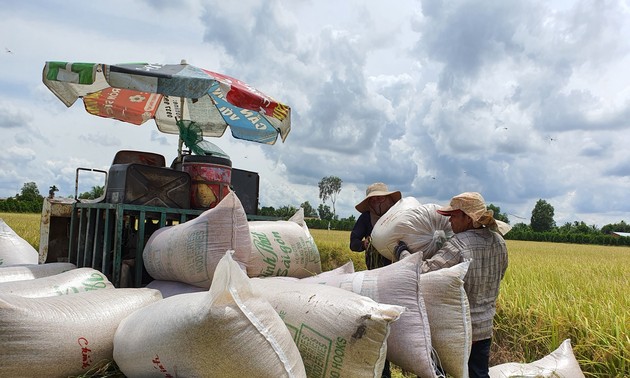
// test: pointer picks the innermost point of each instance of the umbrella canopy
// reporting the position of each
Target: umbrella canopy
(170, 94)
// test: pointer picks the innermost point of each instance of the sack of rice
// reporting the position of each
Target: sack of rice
(339, 333)
(448, 312)
(420, 226)
(32, 271)
(170, 288)
(227, 331)
(13, 249)
(189, 252)
(70, 282)
(409, 341)
(561, 363)
(65, 335)
(282, 248)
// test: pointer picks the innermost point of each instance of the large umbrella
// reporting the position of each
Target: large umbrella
(181, 98)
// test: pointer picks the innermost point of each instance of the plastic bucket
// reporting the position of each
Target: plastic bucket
(210, 179)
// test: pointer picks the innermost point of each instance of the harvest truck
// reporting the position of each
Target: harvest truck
(141, 195)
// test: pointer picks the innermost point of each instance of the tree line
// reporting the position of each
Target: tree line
(542, 226)
(29, 200)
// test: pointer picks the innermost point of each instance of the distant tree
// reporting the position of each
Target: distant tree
(29, 192)
(329, 187)
(96, 192)
(497, 213)
(286, 211)
(520, 227)
(324, 212)
(309, 211)
(267, 211)
(52, 190)
(616, 227)
(542, 217)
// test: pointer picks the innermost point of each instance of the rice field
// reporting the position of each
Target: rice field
(551, 292)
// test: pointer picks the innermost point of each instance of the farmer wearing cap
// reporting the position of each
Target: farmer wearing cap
(478, 239)
(378, 199)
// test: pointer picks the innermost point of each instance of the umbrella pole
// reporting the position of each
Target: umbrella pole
(181, 116)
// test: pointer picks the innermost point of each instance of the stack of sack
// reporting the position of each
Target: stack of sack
(189, 252)
(57, 320)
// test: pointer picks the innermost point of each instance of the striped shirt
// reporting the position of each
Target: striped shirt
(488, 254)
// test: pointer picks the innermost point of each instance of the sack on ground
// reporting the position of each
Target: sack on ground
(225, 332)
(189, 252)
(421, 227)
(282, 248)
(13, 249)
(64, 335)
(339, 333)
(70, 282)
(409, 341)
(561, 363)
(449, 315)
(32, 271)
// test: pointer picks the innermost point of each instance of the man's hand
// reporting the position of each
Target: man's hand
(366, 242)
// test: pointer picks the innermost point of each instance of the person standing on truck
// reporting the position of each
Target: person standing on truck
(378, 199)
(478, 238)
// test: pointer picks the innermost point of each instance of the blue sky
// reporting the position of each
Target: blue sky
(519, 100)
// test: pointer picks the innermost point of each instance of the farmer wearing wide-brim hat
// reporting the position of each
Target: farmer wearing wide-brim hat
(478, 238)
(378, 199)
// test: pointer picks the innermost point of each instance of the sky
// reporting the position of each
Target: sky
(518, 100)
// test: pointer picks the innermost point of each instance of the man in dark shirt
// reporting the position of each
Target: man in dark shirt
(378, 199)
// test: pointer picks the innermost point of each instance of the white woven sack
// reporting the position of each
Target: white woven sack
(225, 332)
(189, 252)
(70, 282)
(64, 335)
(170, 288)
(13, 249)
(32, 271)
(339, 333)
(409, 341)
(420, 226)
(561, 363)
(282, 248)
(323, 276)
(448, 311)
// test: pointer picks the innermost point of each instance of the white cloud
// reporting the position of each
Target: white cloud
(519, 100)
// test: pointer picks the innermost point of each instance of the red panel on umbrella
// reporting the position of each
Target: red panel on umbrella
(123, 104)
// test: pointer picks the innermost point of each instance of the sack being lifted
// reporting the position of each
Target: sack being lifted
(420, 226)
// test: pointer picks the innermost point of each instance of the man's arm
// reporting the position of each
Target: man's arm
(360, 231)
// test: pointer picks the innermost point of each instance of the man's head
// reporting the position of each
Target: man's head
(468, 210)
(378, 199)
